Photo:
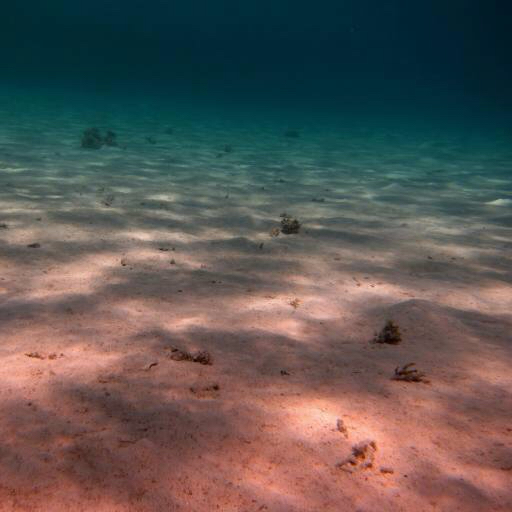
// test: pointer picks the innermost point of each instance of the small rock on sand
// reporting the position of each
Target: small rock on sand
(341, 427)
(201, 357)
(362, 457)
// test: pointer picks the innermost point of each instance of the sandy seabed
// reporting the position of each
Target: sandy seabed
(166, 243)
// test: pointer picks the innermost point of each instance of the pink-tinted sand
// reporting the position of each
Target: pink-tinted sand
(109, 422)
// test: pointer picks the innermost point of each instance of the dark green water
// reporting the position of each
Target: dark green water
(370, 57)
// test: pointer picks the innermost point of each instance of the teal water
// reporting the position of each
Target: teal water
(350, 65)
(447, 166)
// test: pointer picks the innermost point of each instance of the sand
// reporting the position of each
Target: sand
(149, 246)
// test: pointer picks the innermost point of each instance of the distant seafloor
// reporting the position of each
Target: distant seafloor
(115, 259)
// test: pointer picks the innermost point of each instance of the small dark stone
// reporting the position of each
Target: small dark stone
(109, 200)
(203, 357)
(91, 139)
(408, 373)
(390, 334)
(290, 226)
(110, 139)
(292, 134)
(34, 245)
